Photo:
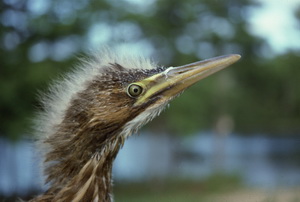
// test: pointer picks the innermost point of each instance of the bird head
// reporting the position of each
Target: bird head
(123, 99)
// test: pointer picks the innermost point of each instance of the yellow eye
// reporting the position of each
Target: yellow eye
(134, 90)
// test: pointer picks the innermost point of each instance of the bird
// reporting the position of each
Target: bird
(89, 113)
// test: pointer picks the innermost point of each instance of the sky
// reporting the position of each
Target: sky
(274, 21)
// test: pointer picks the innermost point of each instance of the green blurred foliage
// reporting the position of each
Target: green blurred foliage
(40, 41)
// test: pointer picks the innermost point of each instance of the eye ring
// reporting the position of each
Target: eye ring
(134, 90)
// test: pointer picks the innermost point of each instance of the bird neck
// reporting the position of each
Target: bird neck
(80, 169)
(92, 182)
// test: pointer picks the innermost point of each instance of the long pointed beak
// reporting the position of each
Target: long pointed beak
(174, 80)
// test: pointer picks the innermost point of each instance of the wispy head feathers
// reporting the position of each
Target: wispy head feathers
(61, 92)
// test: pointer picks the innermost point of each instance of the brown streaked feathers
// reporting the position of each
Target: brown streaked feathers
(82, 144)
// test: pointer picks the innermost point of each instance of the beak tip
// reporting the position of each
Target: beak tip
(238, 56)
(235, 57)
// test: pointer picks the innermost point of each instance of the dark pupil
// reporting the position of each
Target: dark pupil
(134, 90)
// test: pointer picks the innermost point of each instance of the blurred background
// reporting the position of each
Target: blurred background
(235, 136)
